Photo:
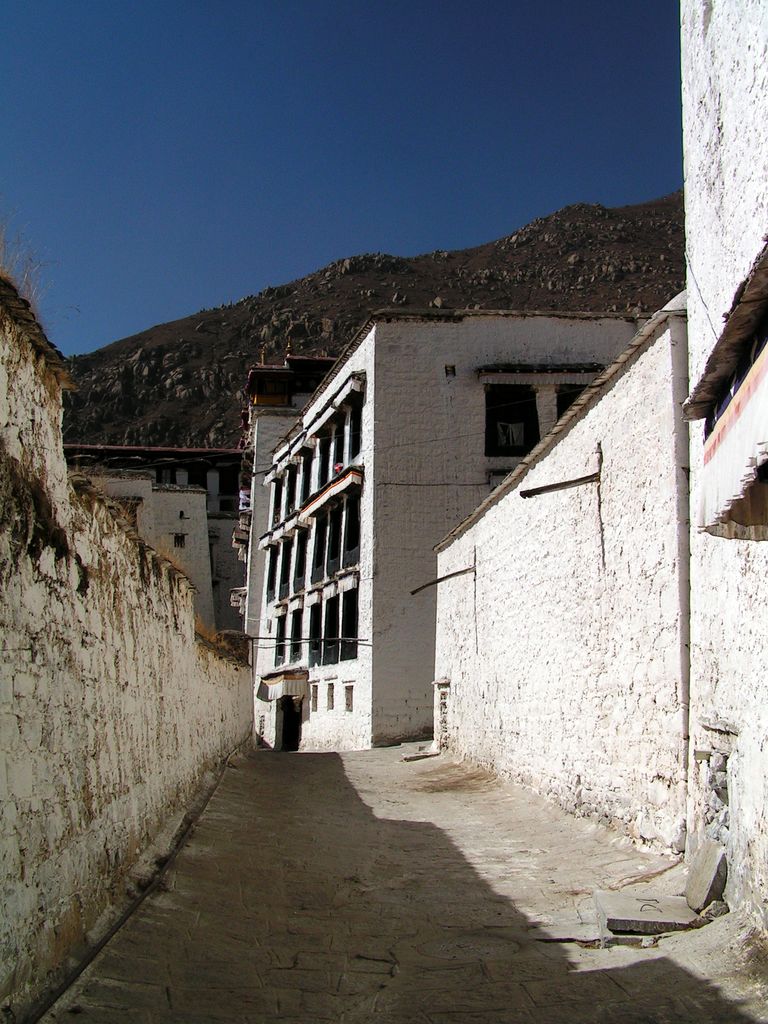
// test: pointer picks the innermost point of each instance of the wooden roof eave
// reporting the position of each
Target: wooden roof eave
(749, 306)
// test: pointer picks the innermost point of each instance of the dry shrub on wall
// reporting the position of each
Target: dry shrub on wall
(206, 632)
(227, 644)
(19, 266)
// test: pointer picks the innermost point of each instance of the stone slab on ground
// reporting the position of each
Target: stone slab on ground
(644, 915)
(707, 874)
(420, 755)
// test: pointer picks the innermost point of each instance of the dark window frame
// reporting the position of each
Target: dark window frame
(315, 634)
(324, 460)
(337, 450)
(319, 548)
(290, 489)
(333, 550)
(355, 431)
(350, 612)
(350, 554)
(306, 475)
(297, 642)
(331, 631)
(510, 406)
(277, 500)
(300, 561)
(280, 640)
(271, 574)
(285, 568)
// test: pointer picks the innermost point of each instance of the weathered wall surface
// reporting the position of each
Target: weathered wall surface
(566, 652)
(725, 96)
(725, 89)
(110, 713)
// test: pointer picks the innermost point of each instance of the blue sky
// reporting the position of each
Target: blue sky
(162, 157)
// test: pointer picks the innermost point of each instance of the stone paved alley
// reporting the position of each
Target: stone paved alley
(357, 887)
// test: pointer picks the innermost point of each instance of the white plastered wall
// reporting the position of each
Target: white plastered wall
(110, 713)
(431, 471)
(725, 98)
(566, 651)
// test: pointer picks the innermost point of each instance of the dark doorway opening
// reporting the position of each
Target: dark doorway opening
(290, 735)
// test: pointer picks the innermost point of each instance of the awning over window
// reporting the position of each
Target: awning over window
(351, 477)
(291, 683)
(733, 394)
(736, 447)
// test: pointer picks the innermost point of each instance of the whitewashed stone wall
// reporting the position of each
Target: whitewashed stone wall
(725, 98)
(566, 650)
(431, 470)
(110, 712)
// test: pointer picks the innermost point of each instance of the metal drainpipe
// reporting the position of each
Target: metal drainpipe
(678, 330)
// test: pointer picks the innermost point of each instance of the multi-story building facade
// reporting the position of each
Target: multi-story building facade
(275, 395)
(184, 503)
(420, 417)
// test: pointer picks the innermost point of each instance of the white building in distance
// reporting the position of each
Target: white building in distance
(183, 502)
(420, 417)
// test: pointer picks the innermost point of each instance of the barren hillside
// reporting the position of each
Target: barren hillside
(178, 383)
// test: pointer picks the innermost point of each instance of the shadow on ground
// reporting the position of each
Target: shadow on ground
(292, 901)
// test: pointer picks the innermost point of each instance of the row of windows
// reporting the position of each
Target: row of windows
(338, 446)
(336, 545)
(330, 697)
(332, 632)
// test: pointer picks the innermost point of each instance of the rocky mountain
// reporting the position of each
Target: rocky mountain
(179, 383)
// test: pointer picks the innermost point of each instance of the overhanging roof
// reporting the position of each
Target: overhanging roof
(749, 306)
(542, 368)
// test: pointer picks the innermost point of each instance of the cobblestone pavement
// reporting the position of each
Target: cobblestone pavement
(357, 887)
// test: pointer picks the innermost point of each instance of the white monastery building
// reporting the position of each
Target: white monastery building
(725, 99)
(182, 501)
(561, 641)
(421, 416)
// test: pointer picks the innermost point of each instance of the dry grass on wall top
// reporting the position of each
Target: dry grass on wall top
(21, 268)
(227, 644)
(91, 491)
(168, 556)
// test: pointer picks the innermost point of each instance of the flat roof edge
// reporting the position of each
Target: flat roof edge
(580, 406)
